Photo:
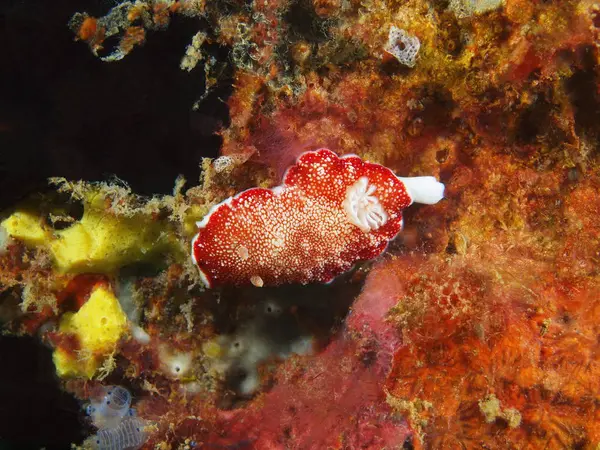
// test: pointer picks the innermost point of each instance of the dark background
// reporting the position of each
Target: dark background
(34, 412)
(63, 112)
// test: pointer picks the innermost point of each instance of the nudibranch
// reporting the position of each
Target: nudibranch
(329, 213)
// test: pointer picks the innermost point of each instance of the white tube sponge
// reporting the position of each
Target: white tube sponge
(426, 190)
(402, 46)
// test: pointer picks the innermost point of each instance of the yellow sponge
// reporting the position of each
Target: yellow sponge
(98, 325)
(26, 227)
(68, 366)
(99, 242)
(102, 242)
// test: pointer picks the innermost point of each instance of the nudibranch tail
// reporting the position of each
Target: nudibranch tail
(426, 190)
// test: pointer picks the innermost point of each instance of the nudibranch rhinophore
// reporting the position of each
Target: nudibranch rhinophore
(329, 213)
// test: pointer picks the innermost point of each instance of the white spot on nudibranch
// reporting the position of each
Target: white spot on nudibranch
(256, 281)
(362, 208)
(243, 252)
(278, 242)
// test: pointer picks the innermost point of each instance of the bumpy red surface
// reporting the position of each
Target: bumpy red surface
(297, 232)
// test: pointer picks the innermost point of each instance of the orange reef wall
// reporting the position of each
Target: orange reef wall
(479, 326)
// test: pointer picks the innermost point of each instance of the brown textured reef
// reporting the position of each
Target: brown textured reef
(478, 328)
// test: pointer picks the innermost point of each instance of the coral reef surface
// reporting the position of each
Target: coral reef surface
(476, 328)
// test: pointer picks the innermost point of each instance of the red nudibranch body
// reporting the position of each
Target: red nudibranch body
(329, 213)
